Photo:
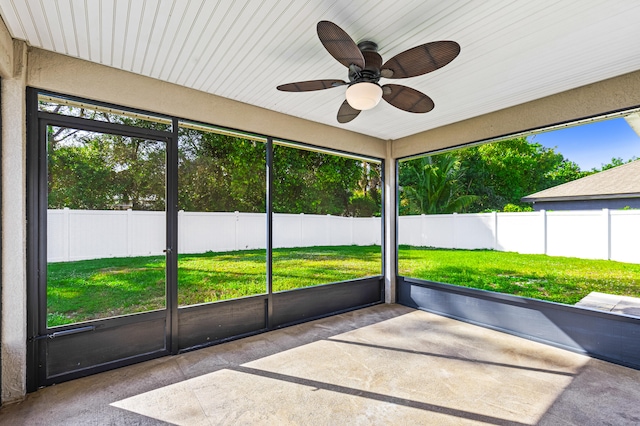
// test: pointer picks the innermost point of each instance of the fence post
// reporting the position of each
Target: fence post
(181, 243)
(351, 229)
(66, 231)
(235, 234)
(301, 230)
(607, 227)
(129, 232)
(495, 230)
(543, 217)
(453, 225)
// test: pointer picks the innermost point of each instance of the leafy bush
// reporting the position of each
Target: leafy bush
(516, 208)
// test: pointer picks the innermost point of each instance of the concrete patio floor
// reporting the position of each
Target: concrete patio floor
(387, 364)
(611, 303)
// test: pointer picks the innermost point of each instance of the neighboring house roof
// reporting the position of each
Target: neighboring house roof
(619, 182)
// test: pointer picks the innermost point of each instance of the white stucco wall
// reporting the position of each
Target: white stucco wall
(6, 52)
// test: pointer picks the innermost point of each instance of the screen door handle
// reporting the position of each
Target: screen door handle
(71, 331)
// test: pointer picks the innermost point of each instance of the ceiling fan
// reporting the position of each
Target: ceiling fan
(366, 68)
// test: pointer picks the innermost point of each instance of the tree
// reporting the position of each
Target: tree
(366, 200)
(488, 177)
(216, 172)
(101, 171)
(433, 185)
(90, 170)
(503, 172)
(220, 173)
(317, 183)
(615, 162)
(80, 177)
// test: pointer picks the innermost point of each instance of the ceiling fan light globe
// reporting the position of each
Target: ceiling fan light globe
(364, 96)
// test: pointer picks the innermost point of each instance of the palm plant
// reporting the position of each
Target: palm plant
(433, 185)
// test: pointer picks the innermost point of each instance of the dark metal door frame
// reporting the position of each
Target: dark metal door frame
(44, 341)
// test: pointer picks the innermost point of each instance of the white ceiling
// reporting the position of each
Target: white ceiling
(512, 51)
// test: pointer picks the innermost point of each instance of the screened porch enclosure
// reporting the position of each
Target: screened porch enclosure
(160, 195)
(161, 235)
(158, 235)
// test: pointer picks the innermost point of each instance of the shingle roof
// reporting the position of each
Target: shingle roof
(619, 182)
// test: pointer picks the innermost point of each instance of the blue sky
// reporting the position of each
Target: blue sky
(592, 145)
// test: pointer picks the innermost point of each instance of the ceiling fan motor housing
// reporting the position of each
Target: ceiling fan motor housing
(373, 61)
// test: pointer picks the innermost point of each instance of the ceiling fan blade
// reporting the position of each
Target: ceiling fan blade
(346, 113)
(406, 98)
(311, 85)
(339, 44)
(420, 59)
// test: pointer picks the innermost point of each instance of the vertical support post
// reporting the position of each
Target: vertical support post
(172, 238)
(269, 211)
(390, 224)
(17, 327)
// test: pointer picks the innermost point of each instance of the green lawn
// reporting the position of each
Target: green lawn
(557, 279)
(90, 289)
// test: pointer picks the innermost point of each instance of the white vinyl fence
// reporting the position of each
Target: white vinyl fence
(588, 234)
(92, 234)
(594, 234)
